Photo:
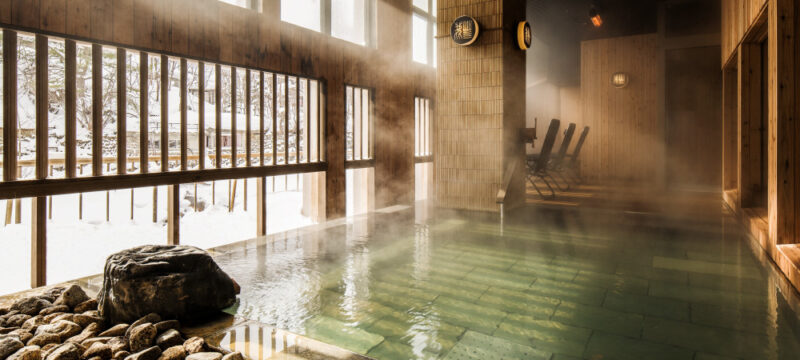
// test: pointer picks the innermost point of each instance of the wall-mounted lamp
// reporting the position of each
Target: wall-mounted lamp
(620, 80)
(594, 15)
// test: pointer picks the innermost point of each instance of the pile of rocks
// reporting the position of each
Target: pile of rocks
(64, 324)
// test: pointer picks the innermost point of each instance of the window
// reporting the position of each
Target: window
(350, 20)
(423, 151)
(305, 13)
(422, 127)
(423, 24)
(358, 124)
(247, 4)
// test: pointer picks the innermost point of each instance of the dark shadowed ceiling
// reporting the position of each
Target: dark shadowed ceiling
(563, 24)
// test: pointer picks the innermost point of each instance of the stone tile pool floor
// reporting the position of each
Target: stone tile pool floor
(549, 284)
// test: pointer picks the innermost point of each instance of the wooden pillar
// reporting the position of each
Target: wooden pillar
(184, 109)
(97, 110)
(274, 119)
(38, 241)
(233, 117)
(730, 130)
(286, 119)
(41, 107)
(201, 112)
(218, 113)
(122, 112)
(70, 117)
(144, 150)
(173, 214)
(261, 117)
(9, 105)
(248, 115)
(261, 206)
(783, 131)
(164, 113)
(750, 113)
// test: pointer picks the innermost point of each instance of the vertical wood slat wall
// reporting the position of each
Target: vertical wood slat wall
(618, 121)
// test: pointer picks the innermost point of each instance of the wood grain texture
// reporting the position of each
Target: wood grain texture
(783, 135)
(53, 15)
(620, 120)
(738, 16)
(750, 186)
(730, 129)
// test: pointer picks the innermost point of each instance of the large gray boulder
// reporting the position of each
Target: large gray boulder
(171, 280)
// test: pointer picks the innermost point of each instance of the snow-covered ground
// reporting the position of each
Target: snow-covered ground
(77, 248)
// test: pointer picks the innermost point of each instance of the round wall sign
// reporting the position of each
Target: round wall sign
(524, 36)
(464, 30)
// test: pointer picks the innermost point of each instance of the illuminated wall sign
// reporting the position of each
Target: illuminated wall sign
(464, 30)
(524, 35)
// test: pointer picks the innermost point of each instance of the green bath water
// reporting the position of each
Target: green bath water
(549, 284)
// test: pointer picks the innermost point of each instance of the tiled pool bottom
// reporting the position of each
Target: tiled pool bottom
(552, 284)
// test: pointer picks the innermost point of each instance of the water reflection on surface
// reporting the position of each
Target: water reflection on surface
(570, 283)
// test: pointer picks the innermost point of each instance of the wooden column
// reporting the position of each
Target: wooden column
(41, 107)
(307, 105)
(201, 121)
(783, 131)
(296, 120)
(750, 113)
(248, 115)
(261, 206)
(730, 130)
(218, 113)
(274, 119)
(233, 117)
(144, 146)
(184, 122)
(70, 98)
(9, 105)
(286, 119)
(97, 110)
(261, 118)
(38, 241)
(173, 214)
(122, 112)
(164, 113)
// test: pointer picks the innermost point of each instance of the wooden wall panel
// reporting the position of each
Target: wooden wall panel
(79, 18)
(625, 136)
(53, 15)
(123, 21)
(738, 16)
(100, 13)
(25, 12)
(143, 18)
(179, 40)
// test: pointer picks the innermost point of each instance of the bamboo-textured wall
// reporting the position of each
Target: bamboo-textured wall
(214, 31)
(626, 139)
(738, 16)
(474, 109)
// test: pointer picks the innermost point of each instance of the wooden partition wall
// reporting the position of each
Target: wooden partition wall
(222, 35)
(745, 25)
(625, 143)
